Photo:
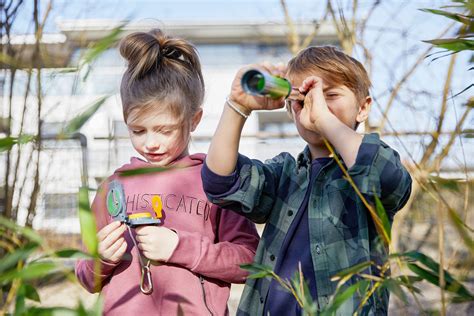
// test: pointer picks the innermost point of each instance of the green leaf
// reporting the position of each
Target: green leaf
(140, 171)
(341, 296)
(32, 271)
(87, 220)
(20, 301)
(454, 16)
(72, 253)
(383, 217)
(451, 285)
(394, 287)
(255, 267)
(51, 311)
(352, 270)
(25, 231)
(461, 227)
(259, 275)
(10, 260)
(6, 143)
(76, 123)
(100, 47)
(450, 184)
(31, 293)
(453, 44)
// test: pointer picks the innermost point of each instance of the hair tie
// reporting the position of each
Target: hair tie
(171, 53)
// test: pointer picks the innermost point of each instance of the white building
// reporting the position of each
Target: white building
(223, 47)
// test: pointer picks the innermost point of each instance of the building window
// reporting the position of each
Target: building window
(60, 205)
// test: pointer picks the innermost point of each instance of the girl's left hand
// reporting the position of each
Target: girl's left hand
(315, 107)
(156, 242)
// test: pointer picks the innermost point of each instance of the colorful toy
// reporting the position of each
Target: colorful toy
(257, 82)
(117, 208)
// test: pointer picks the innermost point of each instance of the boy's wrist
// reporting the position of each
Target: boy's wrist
(237, 107)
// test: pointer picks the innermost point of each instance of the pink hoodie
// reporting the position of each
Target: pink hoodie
(198, 274)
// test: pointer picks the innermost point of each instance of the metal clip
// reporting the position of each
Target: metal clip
(146, 284)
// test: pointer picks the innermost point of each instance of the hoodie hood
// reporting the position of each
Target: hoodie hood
(184, 162)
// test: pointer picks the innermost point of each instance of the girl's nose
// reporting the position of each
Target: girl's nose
(152, 144)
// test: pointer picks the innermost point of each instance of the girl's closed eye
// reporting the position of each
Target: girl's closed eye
(138, 131)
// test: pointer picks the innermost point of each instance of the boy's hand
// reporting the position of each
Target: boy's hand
(315, 108)
(112, 245)
(156, 242)
(251, 102)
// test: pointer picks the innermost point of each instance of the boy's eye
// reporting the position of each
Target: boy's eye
(138, 131)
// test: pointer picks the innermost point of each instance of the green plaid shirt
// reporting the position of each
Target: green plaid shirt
(341, 231)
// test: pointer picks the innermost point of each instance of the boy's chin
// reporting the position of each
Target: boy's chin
(312, 138)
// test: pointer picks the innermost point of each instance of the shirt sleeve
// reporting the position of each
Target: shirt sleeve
(93, 275)
(237, 241)
(379, 171)
(250, 191)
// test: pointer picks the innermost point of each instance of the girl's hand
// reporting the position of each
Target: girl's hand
(156, 242)
(112, 245)
(315, 108)
(251, 102)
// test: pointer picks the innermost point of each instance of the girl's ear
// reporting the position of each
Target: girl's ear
(196, 119)
(364, 110)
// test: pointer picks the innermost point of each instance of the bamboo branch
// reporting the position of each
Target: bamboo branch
(404, 78)
(442, 113)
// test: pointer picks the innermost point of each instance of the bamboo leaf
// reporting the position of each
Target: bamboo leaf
(76, 123)
(32, 271)
(255, 267)
(10, 260)
(454, 16)
(461, 227)
(140, 171)
(341, 296)
(25, 231)
(72, 253)
(449, 184)
(98, 48)
(383, 217)
(20, 301)
(259, 275)
(352, 270)
(6, 143)
(88, 224)
(394, 287)
(451, 284)
(454, 44)
(31, 293)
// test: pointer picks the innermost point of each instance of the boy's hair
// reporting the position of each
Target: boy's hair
(334, 66)
(162, 71)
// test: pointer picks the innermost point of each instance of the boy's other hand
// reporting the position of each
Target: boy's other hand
(315, 108)
(252, 102)
(112, 245)
(156, 242)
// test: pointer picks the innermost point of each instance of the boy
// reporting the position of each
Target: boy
(312, 213)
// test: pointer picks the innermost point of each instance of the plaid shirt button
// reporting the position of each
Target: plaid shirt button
(318, 249)
(290, 213)
(272, 257)
(261, 299)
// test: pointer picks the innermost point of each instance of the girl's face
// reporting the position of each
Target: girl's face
(160, 137)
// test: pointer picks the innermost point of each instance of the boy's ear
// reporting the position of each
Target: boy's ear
(196, 119)
(364, 110)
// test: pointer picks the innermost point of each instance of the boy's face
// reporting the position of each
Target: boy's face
(341, 101)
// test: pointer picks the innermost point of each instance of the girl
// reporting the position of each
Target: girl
(187, 262)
